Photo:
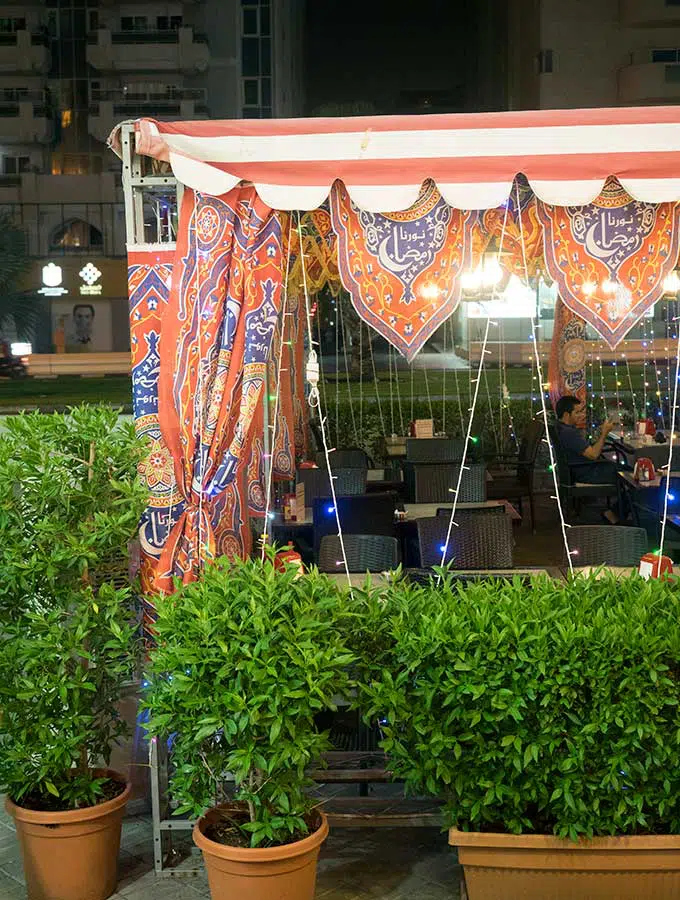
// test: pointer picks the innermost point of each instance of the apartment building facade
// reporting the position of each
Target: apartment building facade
(70, 70)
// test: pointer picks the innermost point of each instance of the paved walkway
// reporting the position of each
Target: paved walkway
(380, 864)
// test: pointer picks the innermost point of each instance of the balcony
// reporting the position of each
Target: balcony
(180, 50)
(22, 52)
(108, 108)
(649, 84)
(25, 121)
(649, 13)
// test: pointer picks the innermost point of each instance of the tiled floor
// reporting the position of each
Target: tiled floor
(380, 864)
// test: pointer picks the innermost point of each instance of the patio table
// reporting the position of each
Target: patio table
(619, 571)
(634, 446)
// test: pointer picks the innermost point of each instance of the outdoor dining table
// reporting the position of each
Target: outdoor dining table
(633, 484)
(633, 446)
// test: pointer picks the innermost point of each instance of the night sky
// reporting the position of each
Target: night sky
(401, 57)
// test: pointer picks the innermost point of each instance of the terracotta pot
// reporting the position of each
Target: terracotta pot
(542, 867)
(274, 873)
(71, 855)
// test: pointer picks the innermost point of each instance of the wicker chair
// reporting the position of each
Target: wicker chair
(359, 514)
(480, 542)
(609, 545)
(347, 482)
(439, 449)
(570, 487)
(364, 552)
(431, 482)
(520, 483)
(345, 458)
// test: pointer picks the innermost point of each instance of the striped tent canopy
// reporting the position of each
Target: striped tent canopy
(383, 161)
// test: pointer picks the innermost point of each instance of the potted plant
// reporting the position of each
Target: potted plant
(547, 720)
(69, 502)
(245, 659)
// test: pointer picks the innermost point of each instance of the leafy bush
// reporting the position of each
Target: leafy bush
(549, 710)
(69, 503)
(371, 435)
(245, 660)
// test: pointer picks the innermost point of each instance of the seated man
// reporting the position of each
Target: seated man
(584, 459)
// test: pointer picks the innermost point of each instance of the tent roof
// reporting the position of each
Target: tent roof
(383, 160)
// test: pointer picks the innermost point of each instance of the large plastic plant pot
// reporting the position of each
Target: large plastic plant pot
(274, 873)
(543, 867)
(71, 855)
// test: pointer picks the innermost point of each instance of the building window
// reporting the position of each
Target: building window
(168, 23)
(9, 26)
(672, 74)
(545, 62)
(134, 23)
(666, 55)
(15, 165)
(256, 59)
(76, 236)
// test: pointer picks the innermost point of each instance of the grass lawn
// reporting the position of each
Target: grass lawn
(116, 390)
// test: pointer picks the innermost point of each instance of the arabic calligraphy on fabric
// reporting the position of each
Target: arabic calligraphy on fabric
(403, 269)
(610, 257)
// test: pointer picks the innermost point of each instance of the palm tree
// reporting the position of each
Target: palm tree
(20, 307)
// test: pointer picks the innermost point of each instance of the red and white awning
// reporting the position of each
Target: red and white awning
(566, 154)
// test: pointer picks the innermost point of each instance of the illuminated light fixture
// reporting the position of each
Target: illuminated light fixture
(487, 274)
(429, 291)
(609, 286)
(21, 349)
(589, 288)
(330, 510)
(671, 284)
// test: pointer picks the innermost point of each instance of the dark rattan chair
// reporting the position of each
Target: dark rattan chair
(359, 514)
(365, 553)
(610, 545)
(571, 489)
(440, 449)
(347, 482)
(480, 542)
(345, 458)
(514, 485)
(431, 482)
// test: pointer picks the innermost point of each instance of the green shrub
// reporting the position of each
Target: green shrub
(552, 709)
(69, 503)
(371, 435)
(245, 660)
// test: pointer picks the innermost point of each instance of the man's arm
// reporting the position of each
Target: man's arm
(594, 450)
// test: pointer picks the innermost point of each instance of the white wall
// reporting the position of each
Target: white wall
(590, 45)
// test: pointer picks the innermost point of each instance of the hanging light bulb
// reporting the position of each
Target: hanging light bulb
(589, 288)
(671, 283)
(491, 270)
(608, 286)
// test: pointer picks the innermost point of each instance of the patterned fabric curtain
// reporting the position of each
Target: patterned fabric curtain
(516, 230)
(149, 278)
(217, 330)
(611, 257)
(567, 368)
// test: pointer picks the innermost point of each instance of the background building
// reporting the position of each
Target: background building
(593, 53)
(70, 70)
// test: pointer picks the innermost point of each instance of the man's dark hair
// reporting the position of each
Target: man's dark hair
(566, 405)
(84, 306)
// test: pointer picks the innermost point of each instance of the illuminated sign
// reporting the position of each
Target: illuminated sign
(51, 278)
(90, 275)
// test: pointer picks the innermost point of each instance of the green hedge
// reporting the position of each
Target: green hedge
(370, 434)
(551, 710)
